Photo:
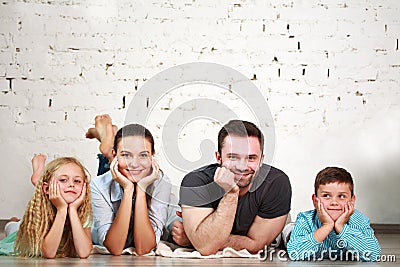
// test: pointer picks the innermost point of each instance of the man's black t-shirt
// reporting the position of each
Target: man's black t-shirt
(269, 196)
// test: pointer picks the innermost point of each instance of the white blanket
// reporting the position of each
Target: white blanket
(131, 250)
(169, 250)
(166, 249)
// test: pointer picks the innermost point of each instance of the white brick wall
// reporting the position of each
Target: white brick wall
(333, 88)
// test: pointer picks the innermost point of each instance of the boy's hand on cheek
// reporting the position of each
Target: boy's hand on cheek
(323, 215)
(344, 218)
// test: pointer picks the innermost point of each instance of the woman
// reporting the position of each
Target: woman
(130, 201)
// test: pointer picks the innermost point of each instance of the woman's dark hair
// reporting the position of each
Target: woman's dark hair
(134, 130)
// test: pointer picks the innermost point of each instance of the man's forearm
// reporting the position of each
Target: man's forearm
(262, 233)
(214, 230)
(239, 242)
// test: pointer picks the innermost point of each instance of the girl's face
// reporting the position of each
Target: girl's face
(70, 179)
(134, 157)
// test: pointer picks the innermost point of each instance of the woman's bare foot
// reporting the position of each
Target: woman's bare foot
(38, 162)
(104, 131)
(92, 133)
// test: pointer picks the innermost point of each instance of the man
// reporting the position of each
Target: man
(239, 202)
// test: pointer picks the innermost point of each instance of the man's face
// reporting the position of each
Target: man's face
(242, 156)
(334, 197)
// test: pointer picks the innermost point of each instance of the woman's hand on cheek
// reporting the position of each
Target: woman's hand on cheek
(118, 176)
(55, 195)
(146, 181)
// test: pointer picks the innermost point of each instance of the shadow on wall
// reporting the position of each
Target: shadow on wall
(377, 191)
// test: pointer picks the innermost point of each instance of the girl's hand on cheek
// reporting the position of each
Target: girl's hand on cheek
(55, 196)
(78, 202)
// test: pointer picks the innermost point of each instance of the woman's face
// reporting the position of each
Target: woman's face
(134, 157)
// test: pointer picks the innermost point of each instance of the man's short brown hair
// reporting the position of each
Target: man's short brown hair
(333, 175)
(242, 129)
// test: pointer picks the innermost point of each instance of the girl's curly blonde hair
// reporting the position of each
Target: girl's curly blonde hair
(40, 214)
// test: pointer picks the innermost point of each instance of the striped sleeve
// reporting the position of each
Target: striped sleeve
(302, 244)
(359, 238)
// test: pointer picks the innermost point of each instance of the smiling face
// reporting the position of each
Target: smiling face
(70, 179)
(134, 157)
(242, 156)
(334, 196)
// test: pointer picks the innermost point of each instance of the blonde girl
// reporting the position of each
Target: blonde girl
(58, 217)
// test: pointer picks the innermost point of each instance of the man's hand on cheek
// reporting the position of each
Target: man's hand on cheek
(225, 179)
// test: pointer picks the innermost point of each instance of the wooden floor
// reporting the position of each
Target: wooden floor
(390, 244)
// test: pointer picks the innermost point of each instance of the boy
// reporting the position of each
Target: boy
(334, 229)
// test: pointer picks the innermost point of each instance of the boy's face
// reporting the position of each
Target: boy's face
(334, 197)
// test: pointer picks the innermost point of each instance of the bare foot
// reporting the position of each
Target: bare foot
(92, 133)
(104, 132)
(13, 219)
(38, 162)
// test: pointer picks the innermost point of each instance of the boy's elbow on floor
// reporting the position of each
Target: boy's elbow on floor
(371, 257)
(292, 258)
(293, 255)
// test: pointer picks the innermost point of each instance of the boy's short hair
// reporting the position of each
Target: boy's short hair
(333, 175)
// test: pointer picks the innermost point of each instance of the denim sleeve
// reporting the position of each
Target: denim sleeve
(159, 205)
(103, 215)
